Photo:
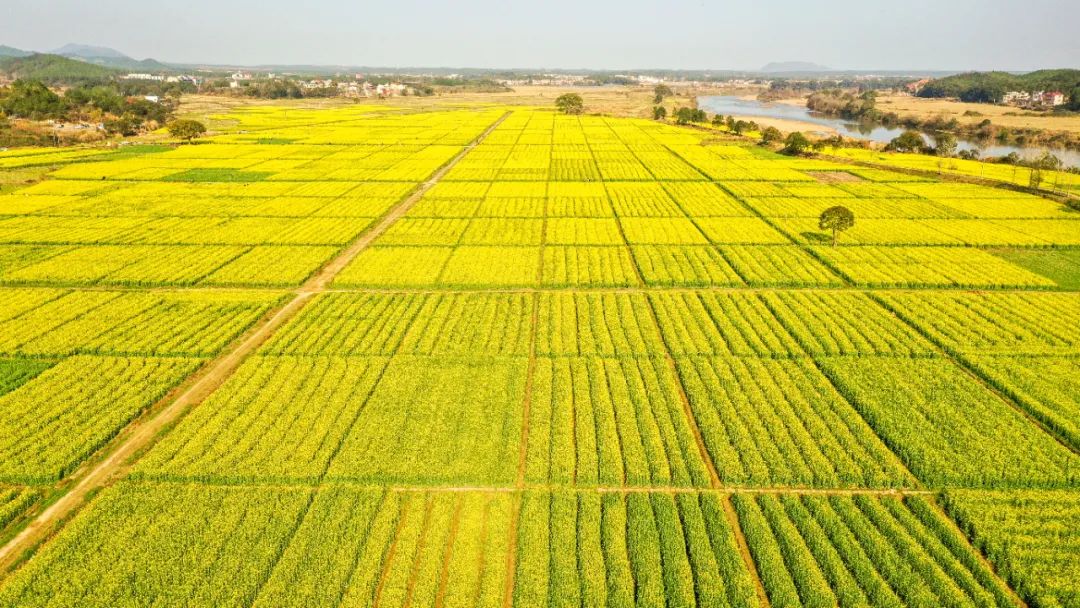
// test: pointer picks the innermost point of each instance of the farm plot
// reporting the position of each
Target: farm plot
(947, 428)
(438, 420)
(780, 423)
(684, 266)
(279, 419)
(52, 423)
(603, 324)
(140, 543)
(588, 267)
(375, 548)
(610, 422)
(1047, 387)
(722, 324)
(135, 324)
(927, 266)
(1031, 537)
(863, 551)
(825, 323)
(1012, 323)
(637, 549)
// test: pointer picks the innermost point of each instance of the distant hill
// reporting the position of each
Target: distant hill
(7, 51)
(990, 86)
(112, 58)
(793, 66)
(87, 52)
(55, 70)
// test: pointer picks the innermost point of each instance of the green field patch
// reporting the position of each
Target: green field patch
(1061, 266)
(16, 372)
(216, 175)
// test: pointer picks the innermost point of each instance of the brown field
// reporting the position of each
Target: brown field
(905, 104)
(612, 100)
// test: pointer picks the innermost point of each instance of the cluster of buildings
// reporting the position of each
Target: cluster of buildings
(347, 88)
(547, 80)
(1034, 98)
(195, 80)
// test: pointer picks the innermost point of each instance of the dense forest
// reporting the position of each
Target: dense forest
(989, 87)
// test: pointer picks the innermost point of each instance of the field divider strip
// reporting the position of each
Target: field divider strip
(448, 552)
(744, 551)
(213, 375)
(688, 410)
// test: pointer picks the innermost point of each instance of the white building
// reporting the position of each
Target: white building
(142, 76)
(1016, 97)
(1053, 98)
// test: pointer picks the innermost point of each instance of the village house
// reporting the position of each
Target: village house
(1053, 98)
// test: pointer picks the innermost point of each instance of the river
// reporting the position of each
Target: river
(740, 106)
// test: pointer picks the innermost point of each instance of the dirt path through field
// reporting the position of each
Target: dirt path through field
(213, 375)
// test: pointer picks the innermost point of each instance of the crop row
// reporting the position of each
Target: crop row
(132, 230)
(58, 323)
(955, 232)
(159, 265)
(928, 266)
(770, 324)
(120, 203)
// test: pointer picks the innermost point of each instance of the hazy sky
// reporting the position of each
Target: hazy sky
(697, 34)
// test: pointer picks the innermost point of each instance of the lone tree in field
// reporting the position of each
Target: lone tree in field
(570, 103)
(659, 113)
(908, 141)
(660, 92)
(837, 219)
(770, 135)
(186, 130)
(795, 144)
(946, 144)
